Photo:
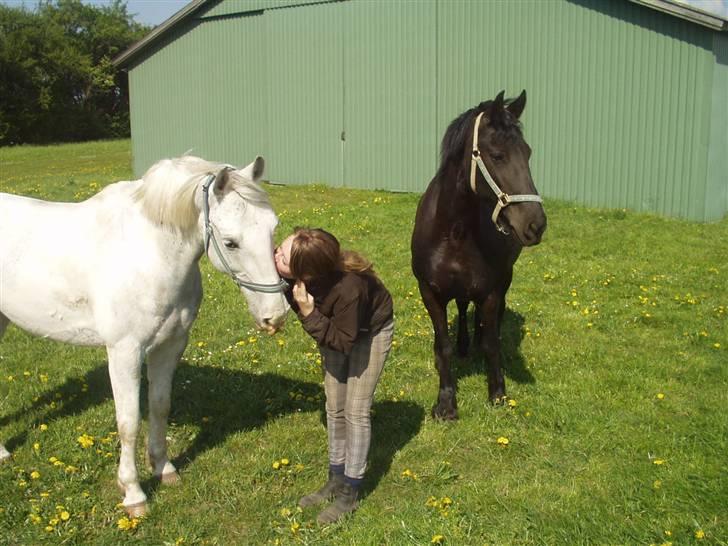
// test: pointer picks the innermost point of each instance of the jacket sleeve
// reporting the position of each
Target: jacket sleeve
(338, 332)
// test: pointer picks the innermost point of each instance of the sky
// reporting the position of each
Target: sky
(148, 12)
(154, 12)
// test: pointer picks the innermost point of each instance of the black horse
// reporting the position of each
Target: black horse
(478, 212)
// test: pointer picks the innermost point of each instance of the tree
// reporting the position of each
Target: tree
(57, 82)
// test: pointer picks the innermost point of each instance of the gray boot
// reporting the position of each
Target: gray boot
(345, 501)
(326, 493)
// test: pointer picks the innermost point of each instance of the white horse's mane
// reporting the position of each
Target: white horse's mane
(167, 192)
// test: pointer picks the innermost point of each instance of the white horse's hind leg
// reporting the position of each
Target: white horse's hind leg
(4, 321)
(161, 363)
(125, 362)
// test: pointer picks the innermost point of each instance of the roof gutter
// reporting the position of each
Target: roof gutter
(687, 12)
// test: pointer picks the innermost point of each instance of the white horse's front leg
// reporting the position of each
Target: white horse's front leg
(161, 363)
(125, 363)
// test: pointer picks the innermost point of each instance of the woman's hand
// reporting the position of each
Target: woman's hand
(303, 298)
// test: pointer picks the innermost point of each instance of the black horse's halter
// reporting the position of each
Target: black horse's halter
(503, 198)
(280, 286)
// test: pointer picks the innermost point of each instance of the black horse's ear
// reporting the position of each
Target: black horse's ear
(221, 180)
(516, 106)
(496, 108)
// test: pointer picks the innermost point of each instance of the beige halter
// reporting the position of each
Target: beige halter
(503, 198)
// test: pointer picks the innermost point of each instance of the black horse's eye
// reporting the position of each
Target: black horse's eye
(230, 244)
(497, 156)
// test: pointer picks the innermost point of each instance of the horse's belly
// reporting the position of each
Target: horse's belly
(69, 322)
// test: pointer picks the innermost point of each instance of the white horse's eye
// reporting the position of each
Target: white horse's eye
(230, 244)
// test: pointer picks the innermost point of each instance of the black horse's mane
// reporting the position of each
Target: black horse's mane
(461, 129)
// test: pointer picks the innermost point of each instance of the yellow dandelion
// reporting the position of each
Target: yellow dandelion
(503, 441)
(660, 396)
(85, 440)
(285, 512)
(658, 462)
(285, 462)
(437, 539)
(700, 534)
(43, 427)
(36, 446)
(512, 403)
(716, 345)
(34, 475)
(657, 484)
(126, 524)
(65, 515)
(49, 529)
(281, 343)
(295, 526)
(276, 465)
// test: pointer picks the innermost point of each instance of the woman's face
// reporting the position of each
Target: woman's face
(283, 257)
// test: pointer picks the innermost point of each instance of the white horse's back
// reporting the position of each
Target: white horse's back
(52, 257)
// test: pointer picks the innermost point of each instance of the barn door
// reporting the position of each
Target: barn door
(389, 95)
(305, 81)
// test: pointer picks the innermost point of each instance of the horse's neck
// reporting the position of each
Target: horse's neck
(456, 201)
(457, 204)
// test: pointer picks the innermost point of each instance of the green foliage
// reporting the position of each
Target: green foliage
(57, 82)
(615, 343)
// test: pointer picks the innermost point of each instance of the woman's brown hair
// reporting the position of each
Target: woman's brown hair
(316, 253)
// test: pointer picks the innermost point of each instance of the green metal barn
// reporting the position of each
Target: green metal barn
(627, 100)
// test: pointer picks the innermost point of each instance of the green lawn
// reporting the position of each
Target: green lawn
(616, 355)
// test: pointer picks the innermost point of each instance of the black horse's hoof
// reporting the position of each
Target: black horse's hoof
(498, 399)
(444, 413)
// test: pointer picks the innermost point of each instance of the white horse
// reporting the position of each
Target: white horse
(121, 270)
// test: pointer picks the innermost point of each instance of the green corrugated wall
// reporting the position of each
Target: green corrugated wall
(627, 106)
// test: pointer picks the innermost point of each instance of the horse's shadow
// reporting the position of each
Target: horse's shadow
(512, 361)
(223, 402)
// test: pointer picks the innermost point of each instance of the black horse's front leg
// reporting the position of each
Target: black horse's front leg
(491, 313)
(446, 406)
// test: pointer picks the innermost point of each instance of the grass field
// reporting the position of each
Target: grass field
(616, 356)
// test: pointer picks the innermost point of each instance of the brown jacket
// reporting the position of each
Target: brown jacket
(346, 306)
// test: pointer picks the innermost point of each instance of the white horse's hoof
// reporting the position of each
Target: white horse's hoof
(170, 478)
(137, 510)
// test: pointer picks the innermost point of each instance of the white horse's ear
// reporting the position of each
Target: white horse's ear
(255, 170)
(221, 180)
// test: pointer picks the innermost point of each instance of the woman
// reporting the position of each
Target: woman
(344, 306)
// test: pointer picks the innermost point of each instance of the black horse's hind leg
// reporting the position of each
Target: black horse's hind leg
(446, 406)
(477, 325)
(492, 311)
(463, 337)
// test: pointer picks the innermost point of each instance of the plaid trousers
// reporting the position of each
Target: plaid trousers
(349, 382)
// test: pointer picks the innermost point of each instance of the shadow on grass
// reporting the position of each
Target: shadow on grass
(394, 424)
(222, 402)
(512, 361)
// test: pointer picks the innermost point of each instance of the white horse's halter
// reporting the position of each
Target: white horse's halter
(503, 198)
(280, 286)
